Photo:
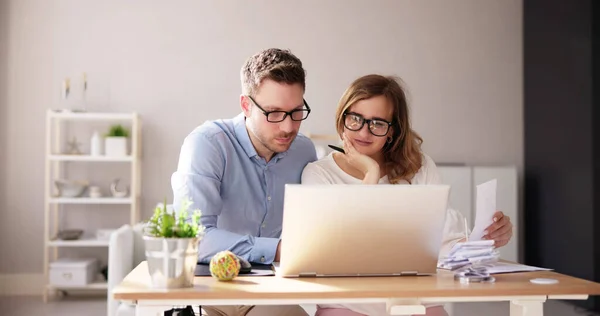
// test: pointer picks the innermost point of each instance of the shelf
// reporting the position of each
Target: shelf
(89, 158)
(86, 242)
(91, 116)
(87, 200)
(91, 286)
(58, 163)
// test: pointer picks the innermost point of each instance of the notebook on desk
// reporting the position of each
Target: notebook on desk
(257, 270)
(362, 230)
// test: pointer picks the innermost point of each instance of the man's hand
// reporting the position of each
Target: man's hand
(277, 254)
(500, 231)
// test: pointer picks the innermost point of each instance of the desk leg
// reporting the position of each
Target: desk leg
(526, 308)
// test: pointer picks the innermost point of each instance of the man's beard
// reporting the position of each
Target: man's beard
(272, 144)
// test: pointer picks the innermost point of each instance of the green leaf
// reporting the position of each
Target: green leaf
(165, 224)
(117, 131)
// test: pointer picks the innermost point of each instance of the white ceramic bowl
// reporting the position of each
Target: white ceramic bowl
(70, 188)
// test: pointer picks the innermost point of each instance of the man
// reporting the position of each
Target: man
(235, 170)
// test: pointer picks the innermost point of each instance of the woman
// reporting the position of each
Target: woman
(381, 148)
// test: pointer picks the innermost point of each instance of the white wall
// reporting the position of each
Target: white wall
(177, 64)
(27, 86)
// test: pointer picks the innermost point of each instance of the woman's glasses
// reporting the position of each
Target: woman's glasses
(355, 122)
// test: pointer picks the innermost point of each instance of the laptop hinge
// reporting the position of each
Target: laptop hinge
(307, 274)
(409, 273)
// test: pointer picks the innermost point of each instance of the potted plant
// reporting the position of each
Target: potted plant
(171, 240)
(115, 141)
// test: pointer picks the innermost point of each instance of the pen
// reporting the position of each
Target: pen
(466, 230)
(337, 148)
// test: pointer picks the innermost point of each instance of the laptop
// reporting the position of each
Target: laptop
(361, 230)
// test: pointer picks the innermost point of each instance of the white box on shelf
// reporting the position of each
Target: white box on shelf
(73, 272)
(115, 146)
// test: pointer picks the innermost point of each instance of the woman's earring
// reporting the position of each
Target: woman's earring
(389, 140)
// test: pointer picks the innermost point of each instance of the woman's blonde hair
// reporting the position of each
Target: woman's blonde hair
(402, 156)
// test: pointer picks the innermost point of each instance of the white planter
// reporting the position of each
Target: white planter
(115, 146)
(171, 261)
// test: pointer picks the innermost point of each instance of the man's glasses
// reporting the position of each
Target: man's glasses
(355, 122)
(279, 116)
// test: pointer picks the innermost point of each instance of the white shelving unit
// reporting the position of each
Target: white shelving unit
(91, 286)
(84, 200)
(84, 242)
(55, 165)
(89, 158)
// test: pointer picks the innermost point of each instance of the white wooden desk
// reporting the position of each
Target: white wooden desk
(403, 295)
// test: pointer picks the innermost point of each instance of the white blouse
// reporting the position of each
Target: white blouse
(327, 171)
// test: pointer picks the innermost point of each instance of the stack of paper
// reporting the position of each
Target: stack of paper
(507, 267)
(470, 253)
(485, 209)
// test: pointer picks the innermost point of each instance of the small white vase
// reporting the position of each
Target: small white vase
(115, 146)
(95, 145)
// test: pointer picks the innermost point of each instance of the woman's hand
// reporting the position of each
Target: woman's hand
(500, 231)
(365, 164)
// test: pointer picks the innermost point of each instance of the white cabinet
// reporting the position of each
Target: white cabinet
(461, 186)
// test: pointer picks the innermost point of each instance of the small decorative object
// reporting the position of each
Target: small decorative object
(171, 239)
(95, 192)
(69, 234)
(84, 93)
(95, 144)
(115, 191)
(73, 147)
(115, 143)
(66, 88)
(84, 82)
(225, 266)
(70, 188)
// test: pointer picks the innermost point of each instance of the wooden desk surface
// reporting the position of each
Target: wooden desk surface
(136, 286)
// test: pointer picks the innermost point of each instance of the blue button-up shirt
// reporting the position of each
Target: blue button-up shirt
(239, 193)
